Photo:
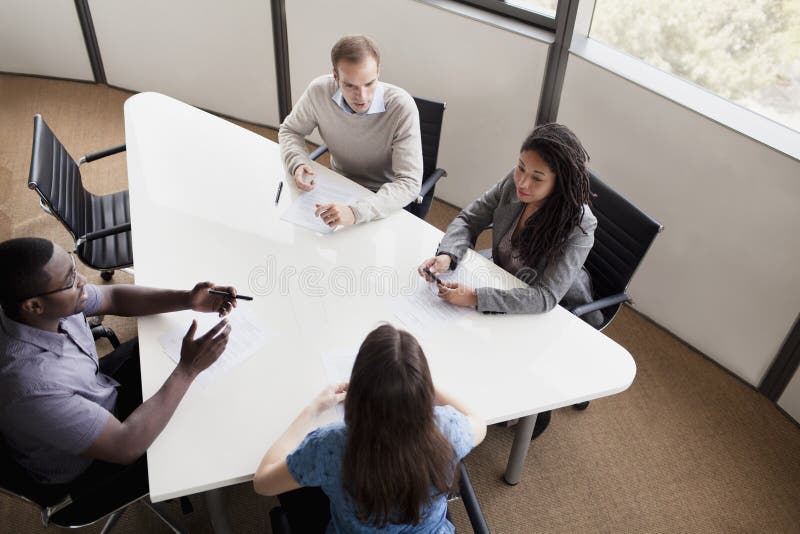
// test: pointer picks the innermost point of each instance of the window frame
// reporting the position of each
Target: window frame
(500, 7)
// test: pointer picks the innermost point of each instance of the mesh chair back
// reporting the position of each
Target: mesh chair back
(55, 176)
(624, 234)
(431, 114)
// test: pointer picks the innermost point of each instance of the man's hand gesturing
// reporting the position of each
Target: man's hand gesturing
(199, 354)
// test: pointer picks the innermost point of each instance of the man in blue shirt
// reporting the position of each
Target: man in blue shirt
(61, 407)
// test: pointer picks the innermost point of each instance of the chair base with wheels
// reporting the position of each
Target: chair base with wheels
(75, 506)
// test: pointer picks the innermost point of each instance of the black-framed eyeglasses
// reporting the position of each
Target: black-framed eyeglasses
(70, 283)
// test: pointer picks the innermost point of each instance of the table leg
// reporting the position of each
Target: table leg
(216, 510)
(519, 450)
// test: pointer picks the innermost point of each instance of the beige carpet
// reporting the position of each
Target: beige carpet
(687, 448)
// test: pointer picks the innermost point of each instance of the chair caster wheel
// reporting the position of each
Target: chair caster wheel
(106, 275)
(581, 406)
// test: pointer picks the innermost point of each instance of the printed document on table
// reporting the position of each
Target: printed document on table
(301, 212)
(245, 339)
(423, 311)
(338, 364)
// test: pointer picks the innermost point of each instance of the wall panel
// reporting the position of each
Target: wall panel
(44, 38)
(215, 55)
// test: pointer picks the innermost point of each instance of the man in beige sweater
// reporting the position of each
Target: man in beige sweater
(371, 129)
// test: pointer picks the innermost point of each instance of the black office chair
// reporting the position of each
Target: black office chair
(431, 115)
(71, 508)
(100, 225)
(74, 508)
(280, 522)
(623, 236)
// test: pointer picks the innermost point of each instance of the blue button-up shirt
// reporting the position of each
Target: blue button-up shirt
(54, 401)
(378, 104)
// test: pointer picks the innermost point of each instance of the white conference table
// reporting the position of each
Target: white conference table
(202, 207)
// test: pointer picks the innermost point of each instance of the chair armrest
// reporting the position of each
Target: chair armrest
(470, 500)
(104, 331)
(101, 154)
(318, 152)
(599, 304)
(105, 232)
(429, 182)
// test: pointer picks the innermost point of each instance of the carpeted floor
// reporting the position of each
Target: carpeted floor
(687, 448)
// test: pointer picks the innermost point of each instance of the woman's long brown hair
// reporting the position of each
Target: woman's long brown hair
(395, 457)
(545, 234)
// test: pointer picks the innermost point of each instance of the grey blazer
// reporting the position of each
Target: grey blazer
(562, 280)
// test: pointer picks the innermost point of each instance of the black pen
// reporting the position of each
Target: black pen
(226, 294)
(436, 278)
(278, 194)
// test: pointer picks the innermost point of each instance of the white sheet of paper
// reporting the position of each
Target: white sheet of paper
(245, 339)
(301, 212)
(423, 312)
(338, 364)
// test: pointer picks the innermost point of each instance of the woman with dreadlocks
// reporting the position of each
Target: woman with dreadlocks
(543, 230)
(542, 233)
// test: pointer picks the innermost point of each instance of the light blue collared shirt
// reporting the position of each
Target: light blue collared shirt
(377, 106)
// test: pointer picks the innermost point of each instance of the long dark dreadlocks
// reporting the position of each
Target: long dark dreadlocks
(546, 232)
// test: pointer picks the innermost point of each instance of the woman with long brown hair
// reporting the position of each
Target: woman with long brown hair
(391, 464)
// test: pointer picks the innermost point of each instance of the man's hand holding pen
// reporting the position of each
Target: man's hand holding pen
(203, 300)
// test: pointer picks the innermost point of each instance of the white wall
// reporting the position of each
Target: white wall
(489, 77)
(211, 54)
(724, 275)
(43, 37)
(790, 399)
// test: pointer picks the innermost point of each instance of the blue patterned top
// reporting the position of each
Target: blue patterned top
(317, 461)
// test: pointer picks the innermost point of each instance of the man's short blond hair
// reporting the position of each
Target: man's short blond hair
(354, 49)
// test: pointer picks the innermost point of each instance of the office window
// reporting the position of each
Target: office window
(538, 12)
(545, 7)
(747, 51)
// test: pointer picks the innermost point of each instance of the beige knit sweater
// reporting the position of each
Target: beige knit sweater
(381, 151)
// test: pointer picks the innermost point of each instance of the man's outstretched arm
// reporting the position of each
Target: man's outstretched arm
(124, 442)
(135, 301)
